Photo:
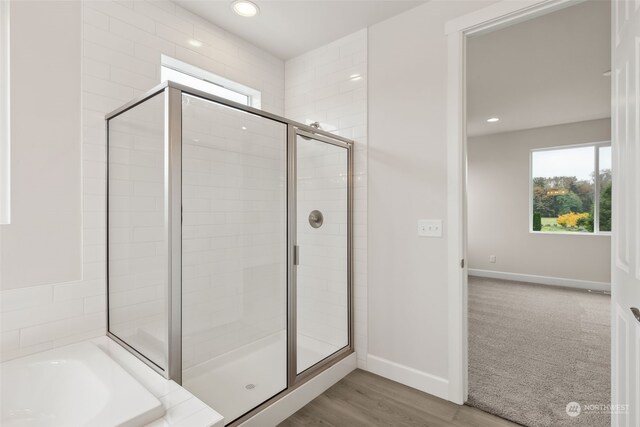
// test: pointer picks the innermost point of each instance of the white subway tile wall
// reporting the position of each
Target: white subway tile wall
(329, 85)
(234, 232)
(122, 45)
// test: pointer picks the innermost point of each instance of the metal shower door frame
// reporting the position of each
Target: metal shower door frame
(294, 377)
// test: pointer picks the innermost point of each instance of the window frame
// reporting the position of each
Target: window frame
(254, 97)
(596, 197)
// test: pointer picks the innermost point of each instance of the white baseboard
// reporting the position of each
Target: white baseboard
(542, 280)
(362, 364)
(292, 402)
(411, 377)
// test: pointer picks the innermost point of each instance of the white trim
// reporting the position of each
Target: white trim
(542, 280)
(504, 13)
(531, 230)
(456, 247)
(254, 96)
(5, 115)
(282, 409)
(570, 233)
(605, 143)
(507, 12)
(596, 189)
(411, 377)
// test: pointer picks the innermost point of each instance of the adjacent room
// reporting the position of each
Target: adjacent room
(539, 216)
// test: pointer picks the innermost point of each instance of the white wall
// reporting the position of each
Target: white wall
(41, 255)
(122, 43)
(43, 242)
(319, 87)
(498, 207)
(407, 275)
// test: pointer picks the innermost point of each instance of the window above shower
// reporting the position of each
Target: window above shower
(206, 81)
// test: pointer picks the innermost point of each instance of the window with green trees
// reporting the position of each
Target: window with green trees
(571, 189)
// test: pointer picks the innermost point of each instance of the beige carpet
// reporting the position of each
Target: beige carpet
(533, 349)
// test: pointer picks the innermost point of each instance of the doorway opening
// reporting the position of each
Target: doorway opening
(538, 216)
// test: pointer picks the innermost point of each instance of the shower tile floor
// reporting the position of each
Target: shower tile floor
(236, 382)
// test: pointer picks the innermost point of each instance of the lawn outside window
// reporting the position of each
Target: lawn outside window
(570, 189)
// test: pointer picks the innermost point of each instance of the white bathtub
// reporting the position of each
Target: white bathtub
(76, 385)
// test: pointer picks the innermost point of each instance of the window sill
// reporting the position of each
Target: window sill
(569, 233)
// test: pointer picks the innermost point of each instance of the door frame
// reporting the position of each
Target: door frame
(295, 378)
(491, 18)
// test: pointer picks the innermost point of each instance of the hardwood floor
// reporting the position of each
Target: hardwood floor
(365, 399)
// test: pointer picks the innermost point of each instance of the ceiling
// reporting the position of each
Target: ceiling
(288, 28)
(541, 72)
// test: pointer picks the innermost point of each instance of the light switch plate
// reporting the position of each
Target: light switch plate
(430, 227)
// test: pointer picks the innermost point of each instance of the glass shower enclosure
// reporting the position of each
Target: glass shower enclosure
(229, 246)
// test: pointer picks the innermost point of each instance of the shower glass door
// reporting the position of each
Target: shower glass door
(230, 248)
(234, 256)
(322, 238)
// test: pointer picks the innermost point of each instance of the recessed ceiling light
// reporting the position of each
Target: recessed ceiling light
(355, 77)
(245, 8)
(244, 128)
(493, 120)
(195, 43)
(607, 73)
